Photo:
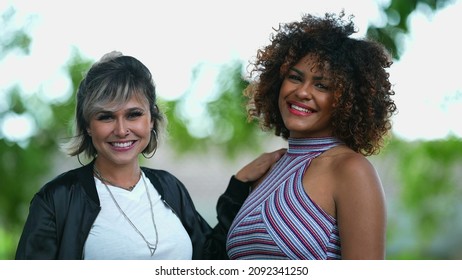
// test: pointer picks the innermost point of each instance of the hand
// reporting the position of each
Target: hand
(259, 166)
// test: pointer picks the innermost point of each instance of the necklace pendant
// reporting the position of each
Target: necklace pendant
(152, 249)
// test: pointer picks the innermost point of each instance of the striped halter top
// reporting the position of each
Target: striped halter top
(279, 220)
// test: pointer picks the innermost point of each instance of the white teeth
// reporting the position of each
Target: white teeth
(122, 144)
(298, 108)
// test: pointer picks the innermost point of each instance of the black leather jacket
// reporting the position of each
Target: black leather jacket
(63, 211)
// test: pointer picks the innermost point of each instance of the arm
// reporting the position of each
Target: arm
(361, 212)
(230, 202)
(228, 206)
(38, 240)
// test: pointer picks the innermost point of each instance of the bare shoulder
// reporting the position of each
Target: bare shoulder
(359, 204)
(342, 158)
(351, 170)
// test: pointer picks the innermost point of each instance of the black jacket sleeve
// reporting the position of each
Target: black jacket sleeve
(60, 217)
(228, 206)
(38, 240)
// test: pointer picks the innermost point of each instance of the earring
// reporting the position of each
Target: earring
(154, 135)
(78, 158)
(153, 131)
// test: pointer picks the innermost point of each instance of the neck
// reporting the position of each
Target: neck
(125, 177)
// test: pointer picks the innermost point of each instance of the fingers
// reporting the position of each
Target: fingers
(266, 160)
(259, 166)
(278, 154)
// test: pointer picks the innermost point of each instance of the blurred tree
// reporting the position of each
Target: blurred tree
(24, 162)
(224, 120)
(396, 25)
(12, 39)
(428, 209)
(428, 190)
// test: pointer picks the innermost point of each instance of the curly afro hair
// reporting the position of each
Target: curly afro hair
(362, 90)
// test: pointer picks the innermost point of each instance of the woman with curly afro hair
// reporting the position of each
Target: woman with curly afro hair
(329, 95)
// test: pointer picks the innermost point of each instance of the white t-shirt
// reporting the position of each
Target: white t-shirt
(112, 237)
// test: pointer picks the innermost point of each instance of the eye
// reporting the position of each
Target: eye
(322, 86)
(294, 77)
(135, 114)
(104, 117)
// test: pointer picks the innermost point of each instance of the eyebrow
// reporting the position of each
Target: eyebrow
(300, 72)
(131, 109)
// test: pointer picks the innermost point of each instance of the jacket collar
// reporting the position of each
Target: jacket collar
(85, 174)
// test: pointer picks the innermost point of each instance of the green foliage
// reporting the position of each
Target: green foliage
(24, 165)
(429, 191)
(397, 14)
(8, 242)
(227, 125)
(12, 39)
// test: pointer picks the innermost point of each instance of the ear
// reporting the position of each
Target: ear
(89, 131)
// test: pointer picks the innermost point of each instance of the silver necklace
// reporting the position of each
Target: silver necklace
(99, 176)
(152, 247)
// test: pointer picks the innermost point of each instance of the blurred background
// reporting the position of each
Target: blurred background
(198, 52)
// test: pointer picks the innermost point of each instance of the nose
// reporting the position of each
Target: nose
(121, 128)
(304, 91)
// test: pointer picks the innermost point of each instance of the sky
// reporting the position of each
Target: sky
(173, 37)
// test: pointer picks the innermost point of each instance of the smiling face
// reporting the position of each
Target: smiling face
(306, 100)
(120, 135)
